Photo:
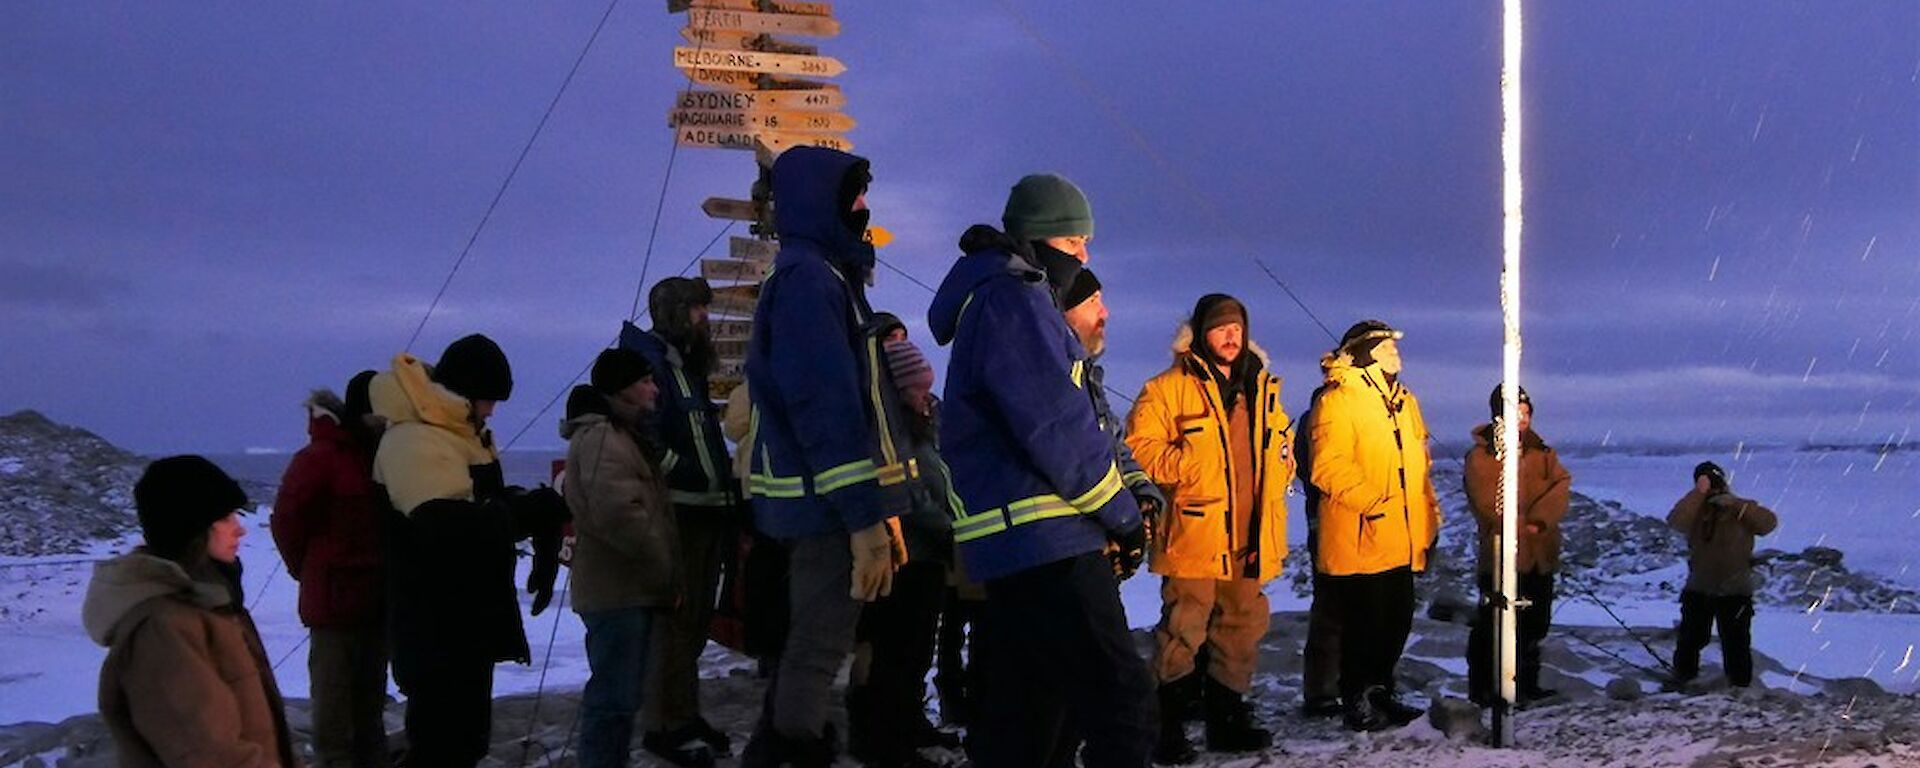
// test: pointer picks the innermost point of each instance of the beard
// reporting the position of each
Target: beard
(696, 351)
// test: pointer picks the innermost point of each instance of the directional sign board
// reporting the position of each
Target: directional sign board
(757, 120)
(727, 208)
(751, 249)
(731, 368)
(756, 61)
(777, 143)
(763, 23)
(731, 330)
(730, 349)
(781, 6)
(821, 100)
(735, 299)
(747, 41)
(734, 271)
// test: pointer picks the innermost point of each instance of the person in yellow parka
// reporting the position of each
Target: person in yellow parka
(1378, 515)
(1211, 430)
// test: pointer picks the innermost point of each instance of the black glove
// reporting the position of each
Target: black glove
(540, 515)
(1129, 550)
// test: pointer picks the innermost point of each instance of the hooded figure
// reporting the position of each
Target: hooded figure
(706, 505)
(1379, 515)
(1044, 499)
(831, 466)
(186, 680)
(454, 608)
(326, 523)
(1211, 429)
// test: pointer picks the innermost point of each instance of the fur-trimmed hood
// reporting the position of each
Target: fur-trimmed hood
(324, 404)
(1182, 345)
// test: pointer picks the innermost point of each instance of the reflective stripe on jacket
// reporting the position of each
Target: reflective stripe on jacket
(1029, 460)
(688, 424)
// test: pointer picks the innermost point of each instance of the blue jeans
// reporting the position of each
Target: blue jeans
(617, 653)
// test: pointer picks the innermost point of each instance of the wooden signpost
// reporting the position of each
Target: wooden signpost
(750, 90)
(763, 23)
(757, 61)
(734, 271)
(760, 120)
(749, 248)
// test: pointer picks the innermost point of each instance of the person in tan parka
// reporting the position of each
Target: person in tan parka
(186, 680)
(1544, 489)
(1212, 432)
(1378, 515)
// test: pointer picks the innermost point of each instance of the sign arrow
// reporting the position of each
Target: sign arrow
(734, 271)
(764, 23)
(782, 6)
(756, 61)
(751, 249)
(728, 208)
(740, 120)
(821, 100)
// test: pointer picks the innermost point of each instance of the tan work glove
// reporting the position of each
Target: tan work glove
(899, 542)
(872, 562)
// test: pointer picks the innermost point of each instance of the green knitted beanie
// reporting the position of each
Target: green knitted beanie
(1044, 205)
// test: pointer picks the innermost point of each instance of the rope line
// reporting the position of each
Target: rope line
(508, 181)
(1139, 140)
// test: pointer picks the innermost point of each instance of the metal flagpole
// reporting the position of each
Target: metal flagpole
(1509, 426)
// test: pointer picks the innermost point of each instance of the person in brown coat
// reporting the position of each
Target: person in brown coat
(186, 681)
(626, 562)
(1720, 528)
(1544, 485)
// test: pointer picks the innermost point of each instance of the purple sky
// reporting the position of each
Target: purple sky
(207, 209)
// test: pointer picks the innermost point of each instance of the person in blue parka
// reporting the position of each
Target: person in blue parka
(1045, 499)
(830, 469)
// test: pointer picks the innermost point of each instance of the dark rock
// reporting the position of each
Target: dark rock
(1624, 689)
(1459, 719)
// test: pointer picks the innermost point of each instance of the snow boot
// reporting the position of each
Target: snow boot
(1230, 723)
(679, 746)
(1320, 707)
(1361, 713)
(865, 733)
(1390, 705)
(716, 739)
(1188, 701)
(1172, 747)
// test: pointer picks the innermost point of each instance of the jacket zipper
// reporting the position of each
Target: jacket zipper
(1207, 386)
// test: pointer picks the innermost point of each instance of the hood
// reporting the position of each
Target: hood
(121, 584)
(651, 345)
(989, 253)
(1336, 365)
(407, 393)
(1483, 439)
(1182, 346)
(582, 423)
(806, 188)
(326, 418)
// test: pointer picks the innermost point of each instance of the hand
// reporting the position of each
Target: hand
(872, 561)
(546, 568)
(1129, 550)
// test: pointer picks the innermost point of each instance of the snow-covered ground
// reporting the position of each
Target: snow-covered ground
(1849, 500)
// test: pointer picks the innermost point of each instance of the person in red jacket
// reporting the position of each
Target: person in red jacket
(326, 523)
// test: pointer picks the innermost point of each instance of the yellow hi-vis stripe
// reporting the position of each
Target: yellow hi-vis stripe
(699, 435)
(1078, 374)
(1042, 507)
(844, 475)
(1101, 492)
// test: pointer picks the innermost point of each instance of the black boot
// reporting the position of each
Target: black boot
(1391, 706)
(1362, 715)
(679, 746)
(716, 739)
(1172, 748)
(1317, 707)
(1230, 723)
(866, 735)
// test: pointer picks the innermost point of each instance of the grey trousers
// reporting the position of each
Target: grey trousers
(823, 617)
(348, 668)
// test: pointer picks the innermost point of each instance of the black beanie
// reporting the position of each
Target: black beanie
(476, 369)
(618, 368)
(178, 498)
(359, 402)
(583, 399)
(1360, 340)
(1716, 476)
(1083, 287)
(1217, 309)
(1493, 400)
